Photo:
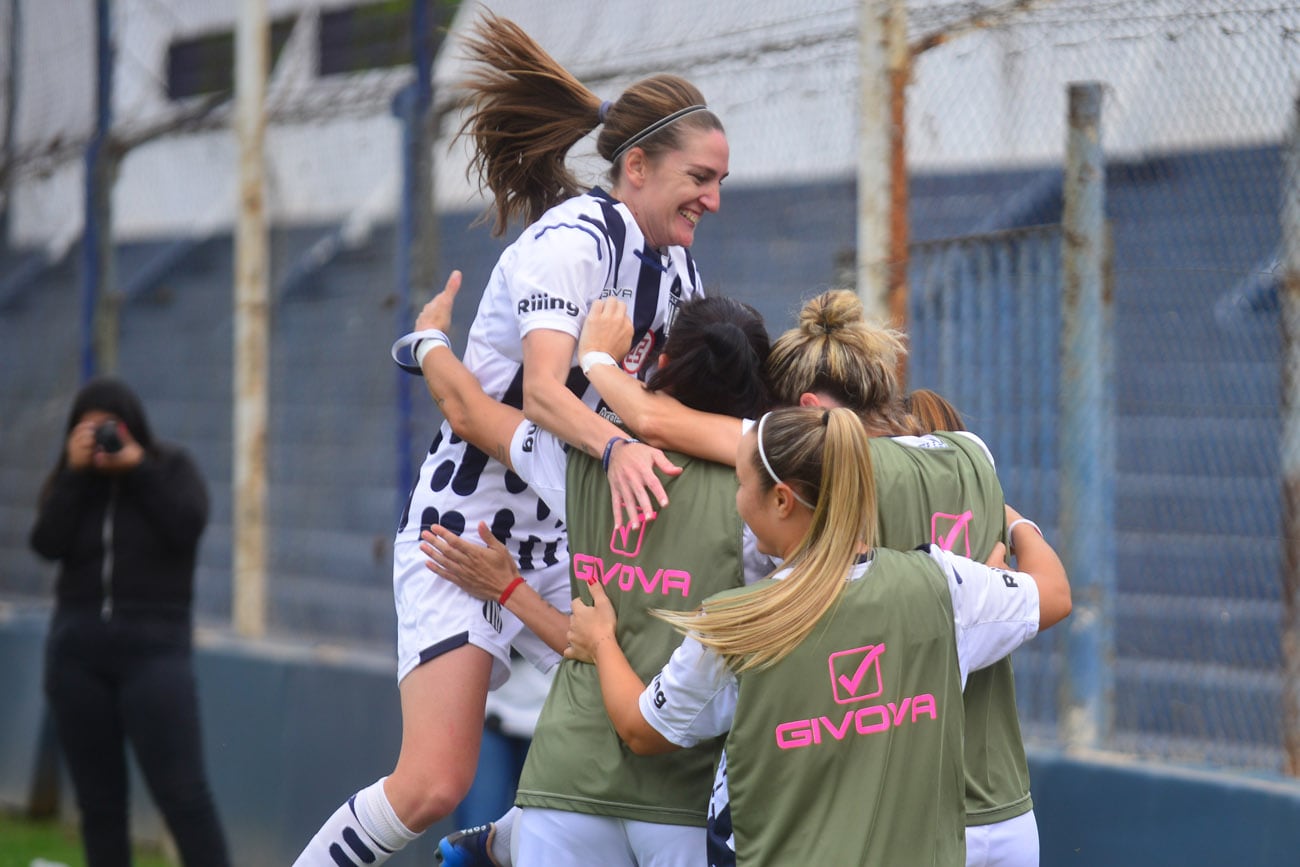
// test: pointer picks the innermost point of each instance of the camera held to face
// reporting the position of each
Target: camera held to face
(107, 438)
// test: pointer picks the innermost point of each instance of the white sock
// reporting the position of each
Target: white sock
(379, 819)
(503, 831)
(364, 831)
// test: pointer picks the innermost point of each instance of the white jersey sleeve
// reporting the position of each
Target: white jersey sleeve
(539, 458)
(994, 610)
(979, 442)
(552, 272)
(692, 698)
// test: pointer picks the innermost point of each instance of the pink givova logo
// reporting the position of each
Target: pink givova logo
(855, 674)
(948, 531)
(855, 677)
(625, 542)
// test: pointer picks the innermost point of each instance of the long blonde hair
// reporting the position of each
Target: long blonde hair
(835, 351)
(526, 112)
(825, 457)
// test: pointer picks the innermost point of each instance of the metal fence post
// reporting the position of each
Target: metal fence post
(1290, 451)
(252, 328)
(98, 319)
(1087, 431)
(873, 157)
(416, 237)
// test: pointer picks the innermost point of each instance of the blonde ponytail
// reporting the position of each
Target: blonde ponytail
(824, 455)
(836, 351)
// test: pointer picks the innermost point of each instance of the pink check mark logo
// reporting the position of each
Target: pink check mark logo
(853, 683)
(960, 527)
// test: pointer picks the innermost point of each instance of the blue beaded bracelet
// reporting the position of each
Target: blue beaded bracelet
(609, 449)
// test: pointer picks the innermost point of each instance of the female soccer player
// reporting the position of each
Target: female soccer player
(838, 683)
(939, 489)
(586, 798)
(668, 155)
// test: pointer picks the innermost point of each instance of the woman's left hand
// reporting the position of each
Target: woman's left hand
(482, 572)
(633, 484)
(437, 313)
(590, 625)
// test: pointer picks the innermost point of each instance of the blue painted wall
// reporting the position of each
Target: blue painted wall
(291, 731)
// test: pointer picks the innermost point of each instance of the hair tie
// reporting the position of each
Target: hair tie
(826, 418)
(604, 110)
(762, 454)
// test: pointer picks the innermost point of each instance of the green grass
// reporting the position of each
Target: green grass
(22, 841)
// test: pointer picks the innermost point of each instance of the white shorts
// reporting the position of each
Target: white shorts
(559, 838)
(1013, 843)
(435, 616)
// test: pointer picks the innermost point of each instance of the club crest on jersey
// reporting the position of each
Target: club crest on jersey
(540, 301)
(636, 359)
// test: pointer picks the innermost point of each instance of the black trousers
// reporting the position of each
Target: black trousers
(130, 680)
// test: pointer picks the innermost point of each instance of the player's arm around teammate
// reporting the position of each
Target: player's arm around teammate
(667, 154)
(656, 417)
(591, 634)
(746, 650)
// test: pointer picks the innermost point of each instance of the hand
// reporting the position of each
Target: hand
(437, 313)
(130, 456)
(84, 453)
(632, 481)
(998, 557)
(482, 572)
(606, 329)
(81, 446)
(589, 625)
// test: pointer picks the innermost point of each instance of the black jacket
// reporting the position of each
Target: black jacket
(158, 511)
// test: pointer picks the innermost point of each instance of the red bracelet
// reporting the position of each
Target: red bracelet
(510, 588)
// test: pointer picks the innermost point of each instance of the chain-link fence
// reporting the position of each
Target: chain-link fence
(1197, 99)
(1197, 96)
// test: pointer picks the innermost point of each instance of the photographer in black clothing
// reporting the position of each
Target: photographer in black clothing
(122, 515)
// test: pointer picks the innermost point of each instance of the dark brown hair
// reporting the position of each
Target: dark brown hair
(526, 112)
(717, 358)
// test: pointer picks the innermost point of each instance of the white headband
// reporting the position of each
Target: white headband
(767, 466)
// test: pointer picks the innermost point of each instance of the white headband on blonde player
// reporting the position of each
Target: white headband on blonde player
(767, 466)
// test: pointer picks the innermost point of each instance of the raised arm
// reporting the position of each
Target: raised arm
(473, 415)
(656, 418)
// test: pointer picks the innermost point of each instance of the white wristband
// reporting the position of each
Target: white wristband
(427, 343)
(413, 343)
(1011, 545)
(591, 359)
